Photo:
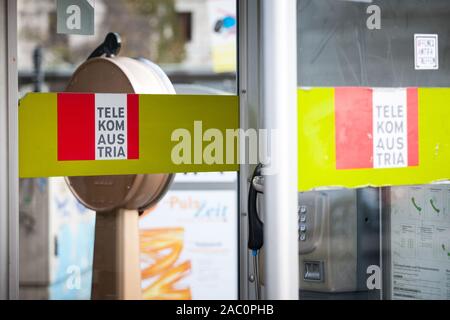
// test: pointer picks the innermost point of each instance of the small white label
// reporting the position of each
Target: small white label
(426, 52)
(111, 126)
(390, 143)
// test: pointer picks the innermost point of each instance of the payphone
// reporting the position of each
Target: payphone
(338, 234)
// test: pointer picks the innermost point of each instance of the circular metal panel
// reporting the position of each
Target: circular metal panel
(120, 75)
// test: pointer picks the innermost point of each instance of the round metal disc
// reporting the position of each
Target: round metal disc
(119, 75)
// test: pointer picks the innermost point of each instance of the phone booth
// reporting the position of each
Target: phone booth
(350, 195)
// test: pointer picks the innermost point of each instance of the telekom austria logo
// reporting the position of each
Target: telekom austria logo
(106, 127)
(98, 127)
(376, 128)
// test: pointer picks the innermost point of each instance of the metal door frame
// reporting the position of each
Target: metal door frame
(249, 82)
(9, 177)
(268, 99)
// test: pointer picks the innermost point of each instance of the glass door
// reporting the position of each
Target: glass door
(383, 61)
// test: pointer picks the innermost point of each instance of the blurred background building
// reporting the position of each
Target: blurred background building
(193, 40)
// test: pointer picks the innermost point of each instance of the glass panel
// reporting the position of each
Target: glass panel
(192, 232)
(401, 231)
(418, 248)
(337, 48)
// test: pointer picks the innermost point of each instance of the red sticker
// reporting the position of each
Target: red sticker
(376, 128)
(98, 127)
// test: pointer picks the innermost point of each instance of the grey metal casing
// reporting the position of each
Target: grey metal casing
(331, 240)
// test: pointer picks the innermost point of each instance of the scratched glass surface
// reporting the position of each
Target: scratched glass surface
(340, 44)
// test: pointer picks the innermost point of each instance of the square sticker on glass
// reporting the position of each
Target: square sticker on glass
(426, 51)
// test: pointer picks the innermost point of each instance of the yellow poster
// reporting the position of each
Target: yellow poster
(357, 137)
(69, 134)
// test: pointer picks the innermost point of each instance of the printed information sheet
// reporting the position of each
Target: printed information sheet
(420, 242)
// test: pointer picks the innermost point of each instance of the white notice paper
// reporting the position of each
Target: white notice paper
(426, 51)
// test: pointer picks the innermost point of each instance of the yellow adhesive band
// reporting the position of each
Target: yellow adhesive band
(159, 117)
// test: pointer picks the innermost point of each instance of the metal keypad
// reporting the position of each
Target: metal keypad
(302, 211)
